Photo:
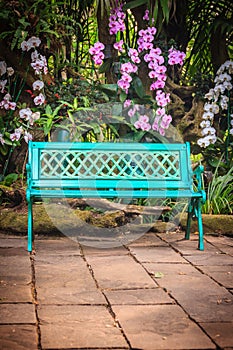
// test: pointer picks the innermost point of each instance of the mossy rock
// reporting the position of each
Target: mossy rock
(109, 219)
(212, 224)
(48, 217)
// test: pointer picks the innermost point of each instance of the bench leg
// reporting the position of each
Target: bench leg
(194, 208)
(189, 219)
(200, 226)
(30, 226)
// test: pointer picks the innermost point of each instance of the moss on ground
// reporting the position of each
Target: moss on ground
(214, 224)
(47, 216)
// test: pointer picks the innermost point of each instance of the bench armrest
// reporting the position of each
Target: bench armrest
(197, 172)
(29, 180)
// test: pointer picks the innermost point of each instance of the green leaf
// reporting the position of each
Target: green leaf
(138, 86)
(67, 104)
(5, 34)
(110, 89)
(3, 148)
(23, 22)
(105, 67)
(214, 162)
(115, 118)
(10, 178)
(116, 109)
(134, 136)
(146, 99)
(56, 110)
(75, 103)
(114, 130)
(158, 275)
(123, 96)
(134, 3)
(49, 31)
(71, 117)
(96, 128)
(48, 110)
(86, 101)
(165, 9)
(155, 12)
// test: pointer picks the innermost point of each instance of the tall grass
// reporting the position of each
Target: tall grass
(219, 193)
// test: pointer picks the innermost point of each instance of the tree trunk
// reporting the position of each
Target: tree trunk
(108, 40)
(218, 48)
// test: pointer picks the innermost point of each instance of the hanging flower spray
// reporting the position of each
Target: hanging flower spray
(147, 52)
(24, 117)
(217, 101)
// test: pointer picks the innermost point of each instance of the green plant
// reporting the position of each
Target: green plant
(219, 193)
(209, 29)
(49, 120)
(211, 155)
(6, 185)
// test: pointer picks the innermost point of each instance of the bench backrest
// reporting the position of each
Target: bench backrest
(110, 165)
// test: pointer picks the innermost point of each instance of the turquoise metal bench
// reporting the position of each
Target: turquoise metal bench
(110, 170)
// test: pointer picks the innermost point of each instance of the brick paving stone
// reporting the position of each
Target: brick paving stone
(151, 327)
(16, 266)
(9, 275)
(13, 251)
(68, 295)
(10, 242)
(74, 326)
(149, 239)
(105, 252)
(108, 238)
(190, 247)
(219, 240)
(60, 245)
(5, 235)
(227, 250)
(17, 313)
(62, 271)
(172, 237)
(65, 280)
(11, 292)
(119, 272)
(225, 244)
(202, 298)
(222, 274)
(53, 260)
(138, 297)
(15, 272)
(211, 259)
(18, 337)
(156, 254)
(220, 332)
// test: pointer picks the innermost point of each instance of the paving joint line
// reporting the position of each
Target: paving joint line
(173, 298)
(108, 306)
(213, 245)
(199, 270)
(35, 300)
(138, 262)
(98, 348)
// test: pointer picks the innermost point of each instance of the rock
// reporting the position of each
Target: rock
(214, 224)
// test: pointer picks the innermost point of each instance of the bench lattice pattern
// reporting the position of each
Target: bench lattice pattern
(149, 165)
